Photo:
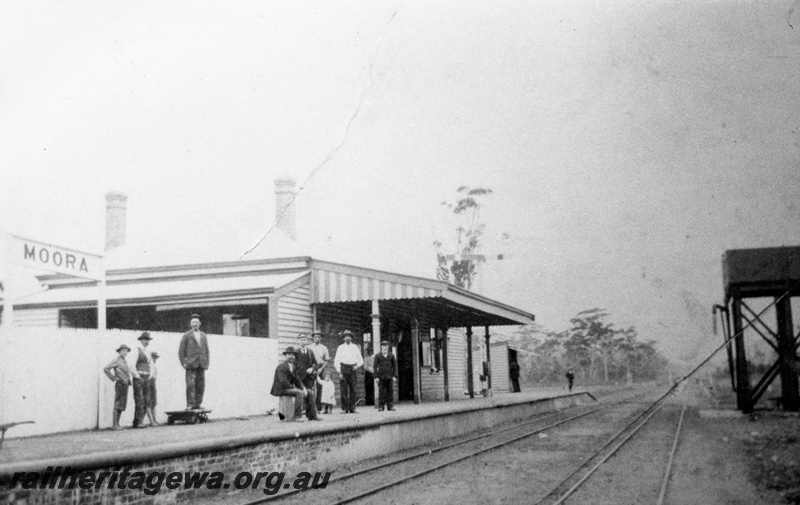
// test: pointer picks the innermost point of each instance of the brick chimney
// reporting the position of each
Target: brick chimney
(116, 210)
(284, 206)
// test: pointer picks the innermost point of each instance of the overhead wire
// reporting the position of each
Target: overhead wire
(335, 149)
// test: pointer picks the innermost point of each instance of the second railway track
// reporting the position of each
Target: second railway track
(404, 474)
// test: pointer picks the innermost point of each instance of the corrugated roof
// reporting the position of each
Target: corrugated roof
(332, 282)
(130, 293)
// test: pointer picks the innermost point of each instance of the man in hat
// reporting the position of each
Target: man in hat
(385, 375)
(321, 352)
(194, 356)
(141, 379)
(348, 359)
(286, 382)
(307, 373)
(121, 377)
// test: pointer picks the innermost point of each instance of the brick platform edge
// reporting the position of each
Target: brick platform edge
(321, 447)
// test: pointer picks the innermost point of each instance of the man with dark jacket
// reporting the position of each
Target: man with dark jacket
(513, 373)
(307, 373)
(194, 356)
(385, 373)
(286, 382)
(141, 379)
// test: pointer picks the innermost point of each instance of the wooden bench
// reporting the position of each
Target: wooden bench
(4, 427)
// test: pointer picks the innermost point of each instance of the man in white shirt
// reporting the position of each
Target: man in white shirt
(348, 359)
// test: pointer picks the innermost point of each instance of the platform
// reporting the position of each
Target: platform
(265, 443)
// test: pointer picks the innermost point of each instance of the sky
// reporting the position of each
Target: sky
(627, 144)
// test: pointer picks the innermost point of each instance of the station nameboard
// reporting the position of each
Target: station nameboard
(35, 254)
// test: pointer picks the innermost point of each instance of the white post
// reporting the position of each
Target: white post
(376, 339)
(100, 341)
(7, 319)
(8, 283)
(101, 301)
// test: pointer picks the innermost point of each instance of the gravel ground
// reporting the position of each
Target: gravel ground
(520, 472)
(720, 460)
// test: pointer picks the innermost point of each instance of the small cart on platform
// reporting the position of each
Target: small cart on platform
(187, 416)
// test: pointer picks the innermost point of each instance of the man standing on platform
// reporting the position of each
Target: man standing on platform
(321, 352)
(513, 373)
(348, 359)
(385, 375)
(307, 373)
(141, 379)
(194, 356)
(120, 374)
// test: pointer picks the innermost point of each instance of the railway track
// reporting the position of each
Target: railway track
(573, 487)
(400, 472)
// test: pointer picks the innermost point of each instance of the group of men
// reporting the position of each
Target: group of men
(297, 376)
(142, 375)
(140, 372)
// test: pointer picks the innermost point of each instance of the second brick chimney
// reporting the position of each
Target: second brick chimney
(116, 210)
(284, 205)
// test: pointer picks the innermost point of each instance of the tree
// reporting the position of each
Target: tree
(599, 334)
(592, 347)
(469, 233)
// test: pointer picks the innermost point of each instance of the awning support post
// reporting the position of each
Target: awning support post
(376, 335)
(488, 359)
(444, 365)
(470, 385)
(415, 359)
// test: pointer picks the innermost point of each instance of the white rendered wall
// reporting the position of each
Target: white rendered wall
(54, 377)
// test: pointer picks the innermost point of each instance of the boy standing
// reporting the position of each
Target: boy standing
(121, 377)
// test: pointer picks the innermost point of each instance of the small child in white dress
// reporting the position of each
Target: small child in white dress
(328, 392)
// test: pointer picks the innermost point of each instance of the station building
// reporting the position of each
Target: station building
(433, 326)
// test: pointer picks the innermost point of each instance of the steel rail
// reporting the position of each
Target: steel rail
(652, 409)
(659, 399)
(462, 458)
(608, 456)
(668, 472)
(429, 452)
(677, 383)
(605, 446)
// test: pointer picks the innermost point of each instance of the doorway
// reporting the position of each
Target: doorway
(405, 366)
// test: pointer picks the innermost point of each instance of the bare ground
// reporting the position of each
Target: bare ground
(720, 460)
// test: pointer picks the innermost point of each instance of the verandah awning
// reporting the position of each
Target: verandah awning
(336, 283)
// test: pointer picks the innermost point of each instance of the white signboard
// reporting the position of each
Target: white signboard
(35, 254)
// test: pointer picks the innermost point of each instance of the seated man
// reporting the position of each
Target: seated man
(286, 382)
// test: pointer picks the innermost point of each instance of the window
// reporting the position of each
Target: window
(233, 324)
(435, 353)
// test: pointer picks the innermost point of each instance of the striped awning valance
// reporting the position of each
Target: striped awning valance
(333, 286)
